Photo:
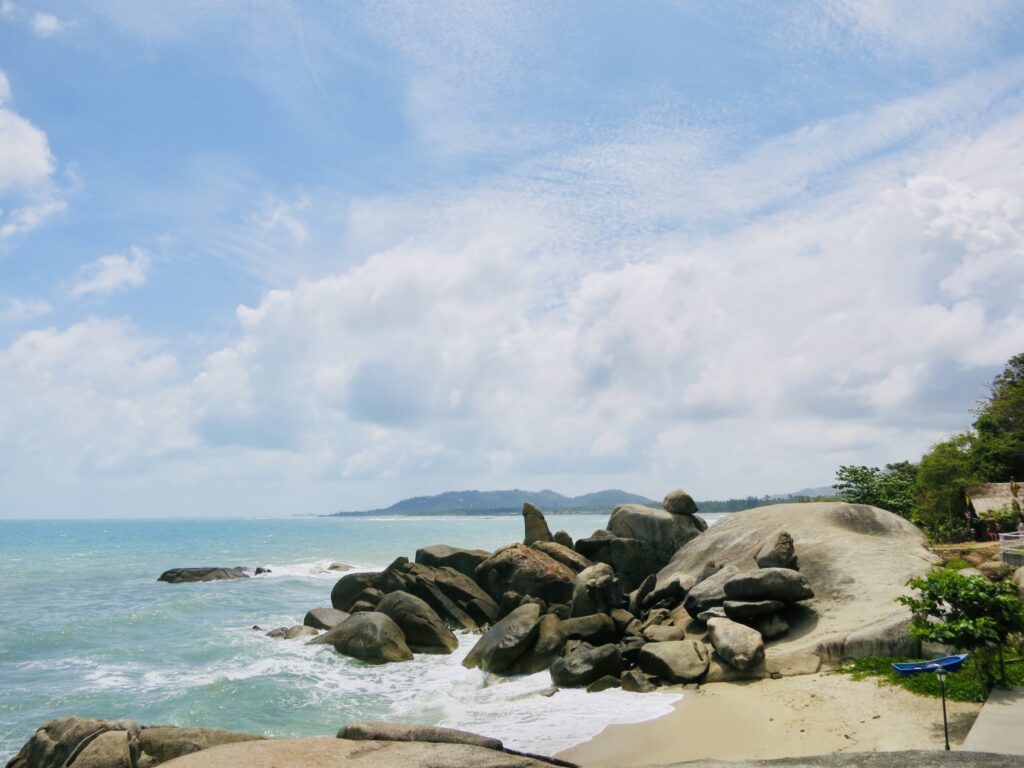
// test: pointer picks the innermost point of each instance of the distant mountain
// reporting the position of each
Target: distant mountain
(497, 502)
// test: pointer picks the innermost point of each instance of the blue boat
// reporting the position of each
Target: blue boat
(946, 663)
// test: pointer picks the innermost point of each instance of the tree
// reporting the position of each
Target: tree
(999, 425)
(892, 488)
(970, 613)
(942, 478)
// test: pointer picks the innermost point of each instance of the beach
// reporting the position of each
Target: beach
(791, 717)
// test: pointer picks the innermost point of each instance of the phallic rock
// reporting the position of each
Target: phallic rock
(192, 575)
(783, 584)
(596, 629)
(563, 538)
(464, 561)
(536, 526)
(324, 618)
(738, 610)
(501, 645)
(739, 645)
(778, 551)
(349, 586)
(300, 630)
(545, 649)
(710, 592)
(582, 664)
(634, 561)
(635, 681)
(678, 661)
(660, 633)
(567, 556)
(604, 683)
(423, 733)
(527, 571)
(370, 636)
(664, 531)
(423, 629)
(596, 590)
(771, 626)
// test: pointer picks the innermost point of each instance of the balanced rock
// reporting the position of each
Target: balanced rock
(324, 618)
(783, 584)
(664, 531)
(423, 629)
(501, 645)
(596, 590)
(739, 645)
(462, 560)
(677, 661)
(192, 575)
(566, 555)
(369, 636)
(583, 663)
(679, 502)
(778, 551)
(536, 526)
(563, 538)
(527, 571)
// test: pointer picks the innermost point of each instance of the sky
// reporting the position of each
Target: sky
(273, 258)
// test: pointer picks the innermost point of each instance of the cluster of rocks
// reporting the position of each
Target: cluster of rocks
(592, 612)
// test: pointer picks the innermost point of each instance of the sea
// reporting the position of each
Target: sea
(86, 629)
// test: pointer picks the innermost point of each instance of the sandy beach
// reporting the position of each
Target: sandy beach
(789, 717)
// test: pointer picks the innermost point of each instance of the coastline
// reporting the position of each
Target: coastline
(789, 717)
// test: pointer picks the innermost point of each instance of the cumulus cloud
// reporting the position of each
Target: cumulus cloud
(112, 273)
(23, 310)
(46, 24)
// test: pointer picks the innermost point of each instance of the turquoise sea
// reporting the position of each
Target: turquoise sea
(85, 628)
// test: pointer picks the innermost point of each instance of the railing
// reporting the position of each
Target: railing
(1011, 548)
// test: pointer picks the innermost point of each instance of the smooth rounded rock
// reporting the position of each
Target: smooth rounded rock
(782, 584)
(740, 645)
(423, 629)
(677, 661)
(679, 502)
(501, 645)
(370, 636)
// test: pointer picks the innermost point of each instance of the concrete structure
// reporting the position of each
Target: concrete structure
(1000, 726)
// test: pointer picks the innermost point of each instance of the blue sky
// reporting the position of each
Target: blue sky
(278, 258)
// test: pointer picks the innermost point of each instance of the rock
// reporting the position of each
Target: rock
(563, 538)
(536, 525)
(781, 584)
(349, 586)
(661, 633)
(567, 556)
(622, 619)
(596, 590)
(739, 645)
(679, 502)
(278, 633)
(721, 671)
(509, 602)
(678, 661)
(604, 683)
(635, 681)
(771, 627)
(669, 594)
(638, 597)
(464, 561)
(501, 645)
(630, 648)
(545, 649)
(361, 606)
(561, 610)
(463, 591)
(717, 612)
(263, 571)
(339, 567)
(423, 629)
(1018, 579)
(451, 614)
(324, 618)
(370, 636)
(657, 616)
(662, 530)
(423, 733)
(634, 561)
(995, 570)
(300, 630)
(107, 750)
(192, 575)
(708, 593)
(595, 546)
(738, 610)
(583, 663)
(370, 595)
(777, 551)
(596, 629)
(527, 571)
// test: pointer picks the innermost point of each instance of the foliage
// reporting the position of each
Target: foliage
(965, 612)
(956, 564)
(999, 424)
(750, 502)
(892, 488)
(943, 474)
(965, 685)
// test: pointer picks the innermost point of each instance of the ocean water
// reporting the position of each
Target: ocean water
(86, 629)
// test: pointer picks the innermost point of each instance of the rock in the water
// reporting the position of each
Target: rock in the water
(277, 633)
(423, 629)
(536, 526)
(783, 584)
(679, 502)
(348, 587)
(567, 556)
(501, 645)
(778, 551)
(596, 629)
(263, 571)
(583, 663)
(545, 649)
(527, 571)
(739, 611)
(596, 590)
(191, 575)
(300, 630)
(739, 645)
(424, 733)
(604, 684)
(710, 592)
(464, 561)
(635, 681)
(563, 538)
(664, 531)
(339, 567)
(324, 618)
(678, 661)
(370, 636)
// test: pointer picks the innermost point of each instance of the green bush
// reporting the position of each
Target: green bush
(965, 685)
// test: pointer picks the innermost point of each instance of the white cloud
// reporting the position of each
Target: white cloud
(43, 24)
(46, 24)
(112, 273)
(23, 310)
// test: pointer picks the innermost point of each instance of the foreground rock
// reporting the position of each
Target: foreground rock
(423, 733)
(192, 575)
(503, 644)
(368, 636)
(740, 646)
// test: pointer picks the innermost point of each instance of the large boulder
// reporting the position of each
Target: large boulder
(679, 502)
(192, 575)
(738, 610)
(462, 560)
(501, 645)
(739, 645)
(633, 561)
(348, 588)
(528, 571)
(583, 663)
(546, 648)
(596, 590)
(566, 555)
(664, 531)
(423, 629)
(857, 558)
(324, 618)
(782, 584)
(778, 551)
(461, 589)
(676, 661)
(369, 636)
(535, 524)
(596, 629)
(708, 593)
(431, 734)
